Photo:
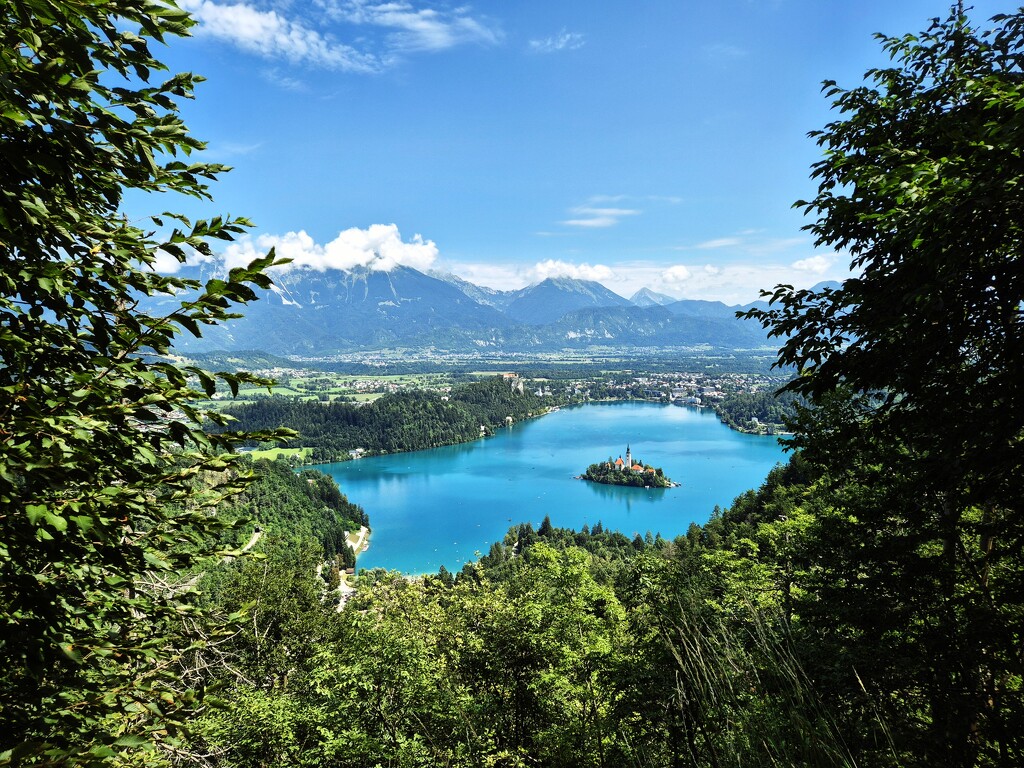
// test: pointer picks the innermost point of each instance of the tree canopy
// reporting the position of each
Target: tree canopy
(101, 445)
(912, 367)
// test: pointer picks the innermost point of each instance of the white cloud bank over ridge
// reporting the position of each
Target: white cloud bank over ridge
(552, 268)
(379, 247)
(732, 284)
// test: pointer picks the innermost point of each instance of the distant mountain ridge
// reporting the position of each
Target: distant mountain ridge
(318, 313)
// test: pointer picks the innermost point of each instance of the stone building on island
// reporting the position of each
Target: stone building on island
(629, 464)
(627, 471)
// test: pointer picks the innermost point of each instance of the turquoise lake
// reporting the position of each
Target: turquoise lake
(447, 505)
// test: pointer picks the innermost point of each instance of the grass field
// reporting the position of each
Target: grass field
(275, 453)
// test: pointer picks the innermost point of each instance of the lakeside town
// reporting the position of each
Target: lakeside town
(744, 401)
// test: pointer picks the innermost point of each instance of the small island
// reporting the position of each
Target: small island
(629, 471)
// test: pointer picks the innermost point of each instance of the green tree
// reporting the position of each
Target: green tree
(913, 366)
(100, 447)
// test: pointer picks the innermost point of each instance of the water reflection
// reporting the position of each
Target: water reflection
(627, 495)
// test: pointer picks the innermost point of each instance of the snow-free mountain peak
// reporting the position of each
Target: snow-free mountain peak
(550, 299)
(645, 297)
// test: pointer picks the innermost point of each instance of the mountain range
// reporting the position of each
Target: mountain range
(312, 313)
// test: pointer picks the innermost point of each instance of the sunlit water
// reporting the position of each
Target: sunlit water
(446, 506)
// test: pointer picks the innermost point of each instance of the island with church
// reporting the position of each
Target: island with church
(629, 471)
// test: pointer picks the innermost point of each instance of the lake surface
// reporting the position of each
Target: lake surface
(446, 506)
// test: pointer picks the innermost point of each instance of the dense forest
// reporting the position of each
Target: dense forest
(863, 607)
(765, 410)
(557, 648)
(401, 421)
(565, 648)
(296, 508)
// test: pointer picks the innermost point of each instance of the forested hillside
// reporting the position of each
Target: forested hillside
(296, 508)
(758, 411)
(402, 421)
(558, 648)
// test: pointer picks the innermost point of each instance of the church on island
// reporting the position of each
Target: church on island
(629, 465)
(627, 471)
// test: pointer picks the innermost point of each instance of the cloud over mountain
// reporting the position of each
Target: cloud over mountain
(379, 247)
(553, 268)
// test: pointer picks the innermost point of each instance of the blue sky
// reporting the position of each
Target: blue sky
(656, 143)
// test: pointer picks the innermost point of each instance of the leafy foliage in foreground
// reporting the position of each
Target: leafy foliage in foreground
(100, 443)
(913, 369)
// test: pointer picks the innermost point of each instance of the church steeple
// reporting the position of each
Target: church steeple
(629, 457)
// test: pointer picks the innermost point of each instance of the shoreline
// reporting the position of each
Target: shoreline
(492, 433)
(671, 484)
(362, 540)
(503, 468)
(554, 409)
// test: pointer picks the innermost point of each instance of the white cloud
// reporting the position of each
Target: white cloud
(598, 217)
(271, 35)
(818, 265)
(285, 82)
(675, 275)
(379, 247)
(501, 277)
(404, 27)
(166, 264)
(563, 41)
(510, 277)
(748, 243)
(720, 242)
(414, 28)
(232, 148)
(552, 268)
(737, 283)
